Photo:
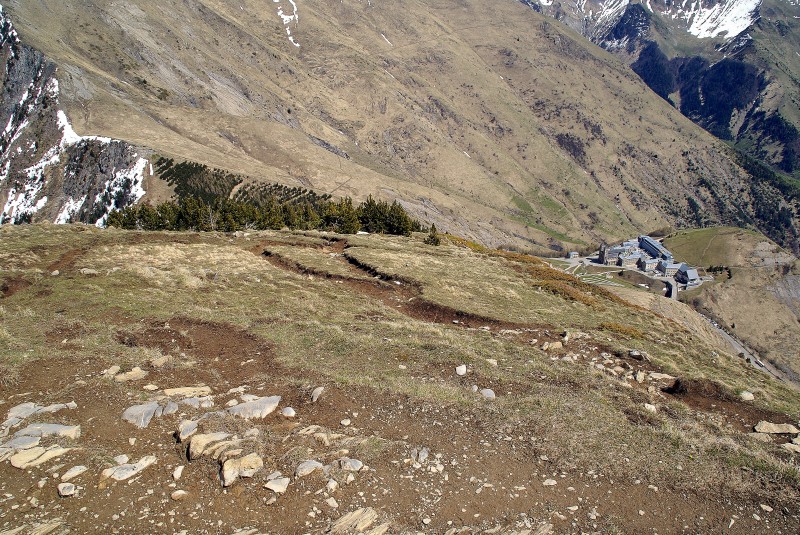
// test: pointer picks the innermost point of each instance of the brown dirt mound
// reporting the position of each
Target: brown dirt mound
(12, 286)
(709, 396)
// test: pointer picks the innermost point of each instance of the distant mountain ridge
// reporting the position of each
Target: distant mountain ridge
(731, 66)
(502, 127)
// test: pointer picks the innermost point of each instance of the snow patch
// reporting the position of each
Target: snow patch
(289, 19)
(125, 180)
(69, 210)
(729, 18)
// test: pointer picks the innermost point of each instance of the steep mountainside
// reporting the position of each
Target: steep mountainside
(497, 125)
(732, 66)
(48, 171)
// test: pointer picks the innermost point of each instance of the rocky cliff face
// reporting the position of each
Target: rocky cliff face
(47, 171)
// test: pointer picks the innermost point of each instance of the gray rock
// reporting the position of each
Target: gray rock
(350, 465)
(178, 495)
(66, 489)
(549, 482)
(170, 408)
(259, 408)
(278, 485)
(775, 429)
(140, 415)
(200, 443)
(188, 391)
(186, 429)
(307, 467)
(794, 448)
(177, 473)
(288, 412)
(488, 393)
(73, 472)
(316, 393)
(127, 471)
(461, 370)
(746, 395)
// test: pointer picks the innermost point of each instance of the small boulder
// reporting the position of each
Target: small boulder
(488, 393)
(350, 465)
(746, 395)
(127, 471)
(258, 408)
(278, 485)
(649, 407)
(461, 370)
(246, 466)
(136, 374)
(66, 489)
(73, 472)
(307, 467)
(178, 495)
(288, 412)
(140, 415)
(775, 429)
(549, 482)
(317, 392)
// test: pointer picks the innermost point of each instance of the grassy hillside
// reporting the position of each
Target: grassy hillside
(756, 292)
(579, 425)
(502, 126)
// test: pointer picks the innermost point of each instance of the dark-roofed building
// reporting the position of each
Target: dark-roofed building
(686, 275)
(654, 249)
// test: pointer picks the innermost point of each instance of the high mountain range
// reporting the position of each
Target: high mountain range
(495, 123)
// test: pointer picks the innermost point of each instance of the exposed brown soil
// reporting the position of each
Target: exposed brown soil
(708, 396)
(12, 286)
(66, 261)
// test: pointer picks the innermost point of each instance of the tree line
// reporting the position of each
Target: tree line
(310, 212)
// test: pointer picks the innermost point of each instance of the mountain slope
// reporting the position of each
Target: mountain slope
(553, 424)
(732, 66)
(495, 125)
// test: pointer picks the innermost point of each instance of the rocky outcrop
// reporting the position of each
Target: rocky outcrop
(47, 171)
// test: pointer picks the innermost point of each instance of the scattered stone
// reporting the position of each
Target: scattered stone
(461, 370)
(55, 273)
(649, 407)
(761, 437)
(655, 376)
(136, 374)
(140, 415)
(232, 403)
(635, 354)
(345, 422)
(307, 467)
(201, 442)
(178, 495)
(332, 485)
(188, 391)
(258, 408)
(316, 393)
(492, 362)
(246, 466)
(150, 388)
(775, 429)
(66, 489)
(350, 465)
(552, 346)
(89, 272)
(110, 372)
(186, 429)
(45, 430)
(332, 503)
(121, 459)
(640, 376)
(73, 472)
(474, 388)
(170, 408)
(33, 457)
(746, 395)
(549, 482)
(355, 521)
(794, 448)
(288, 412)
(765, 507)
(160, 362)
(203, 402)
(796, 440)
(278, 485)
(488, 393)
(177, 473)
(127, 471)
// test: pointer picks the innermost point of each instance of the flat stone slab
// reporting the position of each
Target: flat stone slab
(201, 442)
(278, 485)
(776, 429)
(307, 467)
(47, 430)
(33, 457)
(127, 471)
(259, 408)
(140, 415)
(188, 391)
(73, 472)
(136, 374)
